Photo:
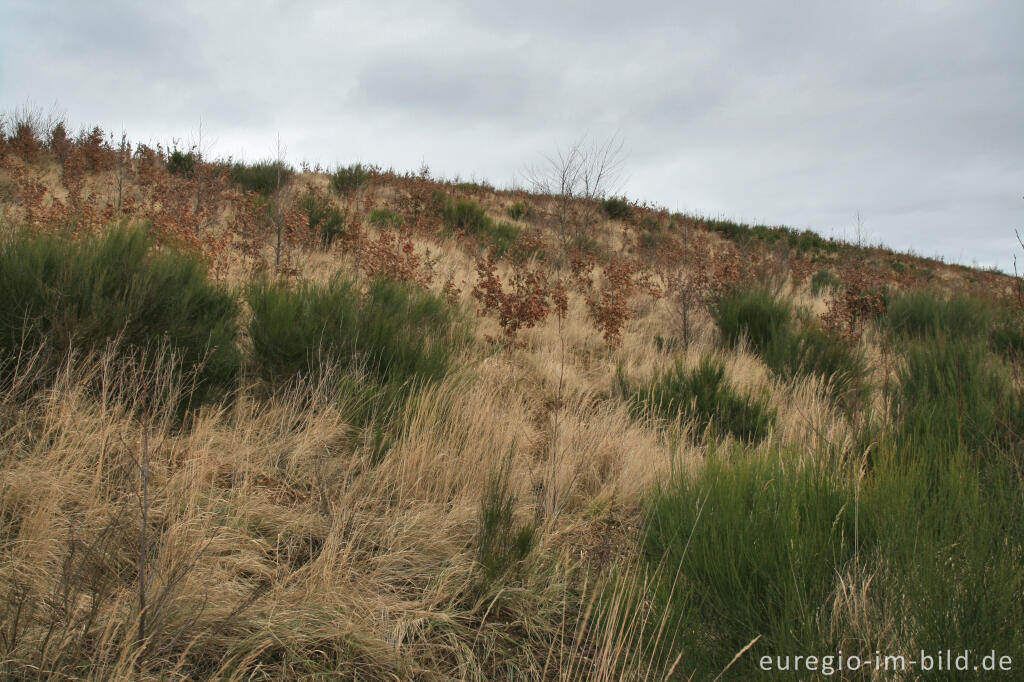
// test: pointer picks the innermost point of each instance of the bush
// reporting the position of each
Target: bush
(705, 397)
(953, 400)
(394, 333)
(519, 211)
(262, 177)
(951, 539)
(824, 280)
(469, 217)
(58, 296)
(753, 314)
(750, 546)
(383, 218)
(617, 208)
(926, 315)
(348, 179)
(465, 215)
(789, 352)
(324, 217)
(181, 163)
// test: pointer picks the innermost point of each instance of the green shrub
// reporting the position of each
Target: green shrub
(383, 218)
(952, 399)
(951, 541)
(754, 314)
(519, 211)
(501, 543)
(262, 177)
(181, 163)
(348, 179)
(704, 396)
(617, 208)
(926, 315)
(752, 546)
(465, 215)
(58, 296)
(394, 333)
(469, 217)
(325, 219)
(789, 351)
(824, 280)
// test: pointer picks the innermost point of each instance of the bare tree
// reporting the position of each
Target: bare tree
(578, 177)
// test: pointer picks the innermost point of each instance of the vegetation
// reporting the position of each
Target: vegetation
(60, 298)
(325, 219)
(768, 326)
(262, 177)
(383, 218)
(617, 208)
(704, 397)
(824, 280)
(375, 488)
(348, 179)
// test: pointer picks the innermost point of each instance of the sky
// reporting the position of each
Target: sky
(808, 114)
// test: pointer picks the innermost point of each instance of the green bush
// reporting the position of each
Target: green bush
(754, 314)
(58, 296)
(617, 208)
(394, 333)
(790, 351)
(465, 215)
(519, 211)
(749, 546)
(383, 219)
(262, 177)
(824, 280)
(349, 178)
(325, 219)
(926, 315)
(469, 217)
(951, 541)
(181, 163)
(704, 396)
(953, 399)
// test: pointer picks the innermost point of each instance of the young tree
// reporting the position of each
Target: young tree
(579, 177)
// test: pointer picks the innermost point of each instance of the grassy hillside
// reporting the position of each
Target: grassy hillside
(261, 422)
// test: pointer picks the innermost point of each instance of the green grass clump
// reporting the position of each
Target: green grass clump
(325, 219)
(262, 177)
(751, 545)
(348, 179)
(824, 280)
(59, 297)
(704, 396)
(384, 219)
(617, 208)
(465, 215)
(501, 543)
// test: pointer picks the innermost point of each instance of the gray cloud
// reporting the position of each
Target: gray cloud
(801, 114)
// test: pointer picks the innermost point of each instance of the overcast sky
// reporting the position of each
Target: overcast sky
(793, 113)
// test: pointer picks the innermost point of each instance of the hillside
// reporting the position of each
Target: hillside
(261, 422)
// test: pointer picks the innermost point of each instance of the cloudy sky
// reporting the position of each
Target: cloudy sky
(793, 113)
